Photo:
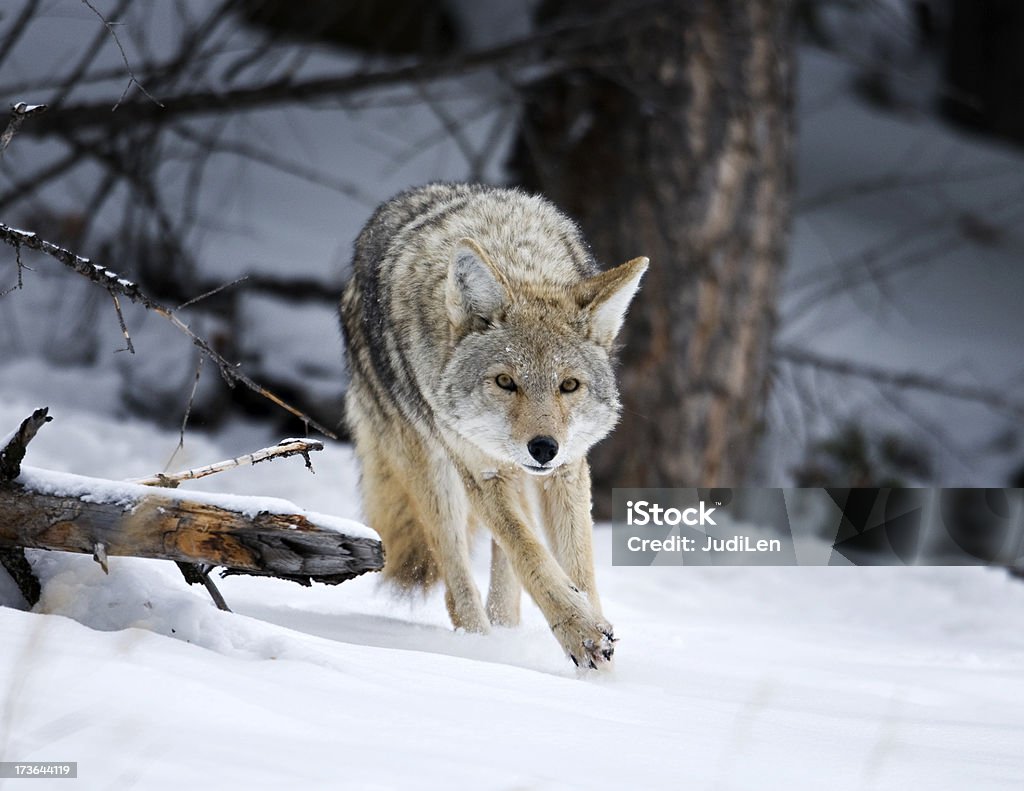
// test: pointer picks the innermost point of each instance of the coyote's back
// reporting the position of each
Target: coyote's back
(479, 332)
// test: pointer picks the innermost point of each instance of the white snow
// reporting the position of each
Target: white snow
(724, 678)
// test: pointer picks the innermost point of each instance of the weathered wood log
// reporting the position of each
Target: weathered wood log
(251, 535)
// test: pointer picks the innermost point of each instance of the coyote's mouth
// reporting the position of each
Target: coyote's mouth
(535, 469)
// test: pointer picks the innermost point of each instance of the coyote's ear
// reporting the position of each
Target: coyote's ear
(605, 297)
(474, 288)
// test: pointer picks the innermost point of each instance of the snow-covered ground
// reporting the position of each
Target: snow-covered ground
(725, 678)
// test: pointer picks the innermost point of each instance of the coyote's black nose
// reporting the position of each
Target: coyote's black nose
(543, 449)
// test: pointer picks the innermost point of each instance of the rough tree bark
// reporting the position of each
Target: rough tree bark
(107, 518)
(73, 513)
(677, 145)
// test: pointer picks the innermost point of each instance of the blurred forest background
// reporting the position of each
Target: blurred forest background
(830, 191)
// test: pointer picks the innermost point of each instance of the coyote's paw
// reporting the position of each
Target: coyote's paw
(587, 640)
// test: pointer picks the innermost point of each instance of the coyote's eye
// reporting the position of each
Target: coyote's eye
(505, 382)
(569, 385)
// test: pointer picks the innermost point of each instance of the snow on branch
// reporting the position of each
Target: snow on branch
(118, 286)
(19, 112)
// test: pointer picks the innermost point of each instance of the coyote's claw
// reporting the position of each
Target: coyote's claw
(587, 644)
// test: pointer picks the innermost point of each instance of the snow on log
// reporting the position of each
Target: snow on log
(248, 535)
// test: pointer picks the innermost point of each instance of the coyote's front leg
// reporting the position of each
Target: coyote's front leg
(565, 510)
(575, 621)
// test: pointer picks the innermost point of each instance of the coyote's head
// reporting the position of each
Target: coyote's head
(529, 379)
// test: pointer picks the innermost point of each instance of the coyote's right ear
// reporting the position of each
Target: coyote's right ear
(474, 290)
(606, 295)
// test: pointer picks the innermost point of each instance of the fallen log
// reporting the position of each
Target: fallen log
(264, 536)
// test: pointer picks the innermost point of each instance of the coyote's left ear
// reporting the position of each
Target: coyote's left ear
(605, 297)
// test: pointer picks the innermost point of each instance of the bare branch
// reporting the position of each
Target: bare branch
(894, 181)
(274, 160)
(21, 267)
(188, 407)
(573, 39)
(124, 327)
(283, 449)
(211, 292)
(128, 67)
(909, 380)
(73, 78)
(934, 237)
(119, 286)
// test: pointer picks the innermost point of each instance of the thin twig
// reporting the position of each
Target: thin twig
(188, 406)
(935, 237)
(212, 291)
(894, 181)
(213, 590)
(283, 449)
(131, 74)
(74, 76)
(124, 327)
(272, 159)
(21, 266)
(114, 284)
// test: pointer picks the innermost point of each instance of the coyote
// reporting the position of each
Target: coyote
(479, 336)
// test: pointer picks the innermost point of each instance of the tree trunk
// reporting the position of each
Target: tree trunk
(676, 144)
